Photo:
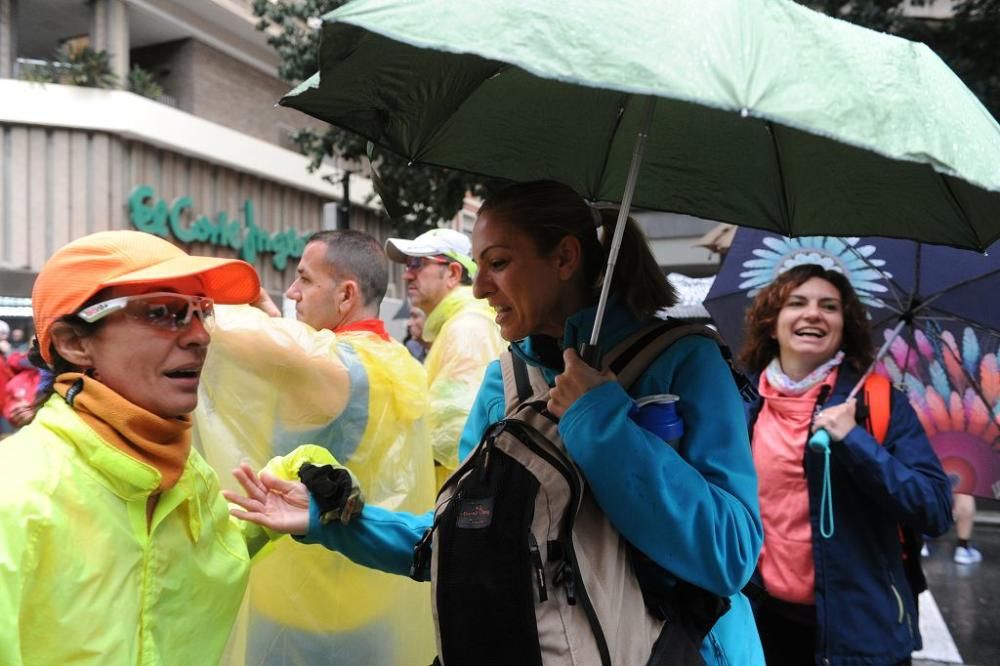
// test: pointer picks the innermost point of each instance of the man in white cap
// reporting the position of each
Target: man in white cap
(460, 329)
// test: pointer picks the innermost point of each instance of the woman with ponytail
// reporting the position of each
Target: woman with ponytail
(690, 510)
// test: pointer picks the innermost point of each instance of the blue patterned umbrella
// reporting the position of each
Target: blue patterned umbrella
(896, 279)
(942, 300)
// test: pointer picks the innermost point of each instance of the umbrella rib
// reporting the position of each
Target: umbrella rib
(961, 210)
(947, 316)
(786, 216)
(957, 285)
(888, 320)
(611, 140)
(886, 276)
(502, 67)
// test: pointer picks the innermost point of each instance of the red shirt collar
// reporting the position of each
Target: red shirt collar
(376, 326)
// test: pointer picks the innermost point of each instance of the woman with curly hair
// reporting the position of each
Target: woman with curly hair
(845, 597)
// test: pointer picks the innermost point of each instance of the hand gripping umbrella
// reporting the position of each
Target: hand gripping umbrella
(931, 311)
(760, 113)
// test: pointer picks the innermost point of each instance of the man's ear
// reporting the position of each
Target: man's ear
(454, 274)
(70, 345)
(568, 255)
(351, 295)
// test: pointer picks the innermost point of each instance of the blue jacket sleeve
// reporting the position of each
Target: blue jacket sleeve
(378, 538)
(486, 410)
(905, 476)
(695, 511)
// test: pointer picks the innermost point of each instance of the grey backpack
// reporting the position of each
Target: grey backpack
(525, 567)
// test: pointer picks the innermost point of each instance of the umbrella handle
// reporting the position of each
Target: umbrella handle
(820, 441)
(591, 355)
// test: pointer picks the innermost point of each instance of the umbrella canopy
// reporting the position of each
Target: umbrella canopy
(767, 114)
(939, 288)
(945, 359)
(954, 387)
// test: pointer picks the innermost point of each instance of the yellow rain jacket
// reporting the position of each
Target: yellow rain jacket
(464, 340)
(271, 385)
(81, 579)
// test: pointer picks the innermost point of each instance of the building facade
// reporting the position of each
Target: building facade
(208, 164)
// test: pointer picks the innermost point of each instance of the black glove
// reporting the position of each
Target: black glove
(335, 489)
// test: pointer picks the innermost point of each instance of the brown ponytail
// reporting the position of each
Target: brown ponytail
(637, 277)
(547, 211)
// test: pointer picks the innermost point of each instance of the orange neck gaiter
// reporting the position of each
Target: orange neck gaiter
(151, 439)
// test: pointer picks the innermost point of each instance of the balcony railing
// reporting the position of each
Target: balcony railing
(28, 69)
(36, 69)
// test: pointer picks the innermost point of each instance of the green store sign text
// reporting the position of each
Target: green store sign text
(156, 216)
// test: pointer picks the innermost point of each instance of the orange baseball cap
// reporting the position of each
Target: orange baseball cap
(79, 270)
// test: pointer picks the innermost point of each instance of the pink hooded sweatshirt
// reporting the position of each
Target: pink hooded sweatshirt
(779, 441)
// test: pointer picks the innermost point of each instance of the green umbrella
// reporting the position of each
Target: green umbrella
(758, 112)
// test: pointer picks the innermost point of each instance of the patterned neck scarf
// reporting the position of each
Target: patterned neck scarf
(788, 386)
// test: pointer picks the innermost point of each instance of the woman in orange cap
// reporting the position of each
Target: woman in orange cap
(116, 546)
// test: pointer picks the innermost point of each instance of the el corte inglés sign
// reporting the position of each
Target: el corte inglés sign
(154, 215)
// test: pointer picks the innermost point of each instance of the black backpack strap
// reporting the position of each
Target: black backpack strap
(522, 383)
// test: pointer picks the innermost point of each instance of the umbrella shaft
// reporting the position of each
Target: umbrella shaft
(878, 356)
(616, 243)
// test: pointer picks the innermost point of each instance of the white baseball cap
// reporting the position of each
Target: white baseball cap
(436, 242)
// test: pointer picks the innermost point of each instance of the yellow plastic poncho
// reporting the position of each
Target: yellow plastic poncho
(82, 581)
(464, 340)
(270, 385)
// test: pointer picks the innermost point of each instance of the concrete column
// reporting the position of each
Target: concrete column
(109, 32)
(8, 38)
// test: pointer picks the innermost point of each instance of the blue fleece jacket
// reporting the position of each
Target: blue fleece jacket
(692, 510)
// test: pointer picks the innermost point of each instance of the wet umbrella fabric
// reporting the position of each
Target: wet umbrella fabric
(767, 114)
(945, 359)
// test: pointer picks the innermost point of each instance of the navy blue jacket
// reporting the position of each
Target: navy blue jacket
(866, 612)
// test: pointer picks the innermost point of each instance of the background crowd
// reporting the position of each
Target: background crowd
(19, 379)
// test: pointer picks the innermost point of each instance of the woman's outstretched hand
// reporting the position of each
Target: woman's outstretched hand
(576, 379)
(279, 505)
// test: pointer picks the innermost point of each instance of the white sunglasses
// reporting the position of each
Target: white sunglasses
(160, 309)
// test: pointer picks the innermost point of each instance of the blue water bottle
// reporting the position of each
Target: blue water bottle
(658, 414)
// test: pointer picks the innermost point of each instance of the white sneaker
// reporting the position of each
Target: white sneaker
(967, 555)
(925, 551)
